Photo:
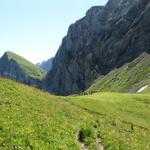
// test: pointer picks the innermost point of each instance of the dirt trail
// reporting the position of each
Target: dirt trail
(100, 144)
(84, 147)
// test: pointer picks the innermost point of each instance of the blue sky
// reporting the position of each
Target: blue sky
(34, 28)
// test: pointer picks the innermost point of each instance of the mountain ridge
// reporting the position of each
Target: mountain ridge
(17, 68)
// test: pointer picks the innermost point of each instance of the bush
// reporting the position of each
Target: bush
(86, 132)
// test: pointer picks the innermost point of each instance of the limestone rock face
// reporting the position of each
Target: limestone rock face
(106, 38)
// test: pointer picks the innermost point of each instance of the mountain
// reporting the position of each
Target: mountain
(17, 68)
(129, 78)
(46, 65)
(106, 38)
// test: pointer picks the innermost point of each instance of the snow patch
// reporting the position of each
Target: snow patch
(142, 89)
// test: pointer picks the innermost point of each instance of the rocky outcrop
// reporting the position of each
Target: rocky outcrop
(46, 65)
(9, 68)
(106, 38)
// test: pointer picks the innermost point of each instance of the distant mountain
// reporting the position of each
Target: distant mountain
(129, 78)
(46, 65)
(106, 38)
(17, 68)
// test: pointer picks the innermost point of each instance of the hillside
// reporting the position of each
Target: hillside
(129, 78)
(31, 119)
(19, 69)
(37, 120)
(106, 38)
(46, 65)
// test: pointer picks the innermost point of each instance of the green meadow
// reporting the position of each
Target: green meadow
(31, 119)
(124, 119)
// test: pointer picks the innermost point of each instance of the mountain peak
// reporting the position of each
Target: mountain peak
(9, 52)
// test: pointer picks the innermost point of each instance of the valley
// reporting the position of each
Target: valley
(93, 95)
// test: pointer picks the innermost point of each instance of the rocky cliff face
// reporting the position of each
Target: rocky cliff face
(106, 38)
(9, 68)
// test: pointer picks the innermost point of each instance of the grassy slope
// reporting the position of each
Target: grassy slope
(125, 118)
(29, 68)
(128, 78)
(31, 119)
